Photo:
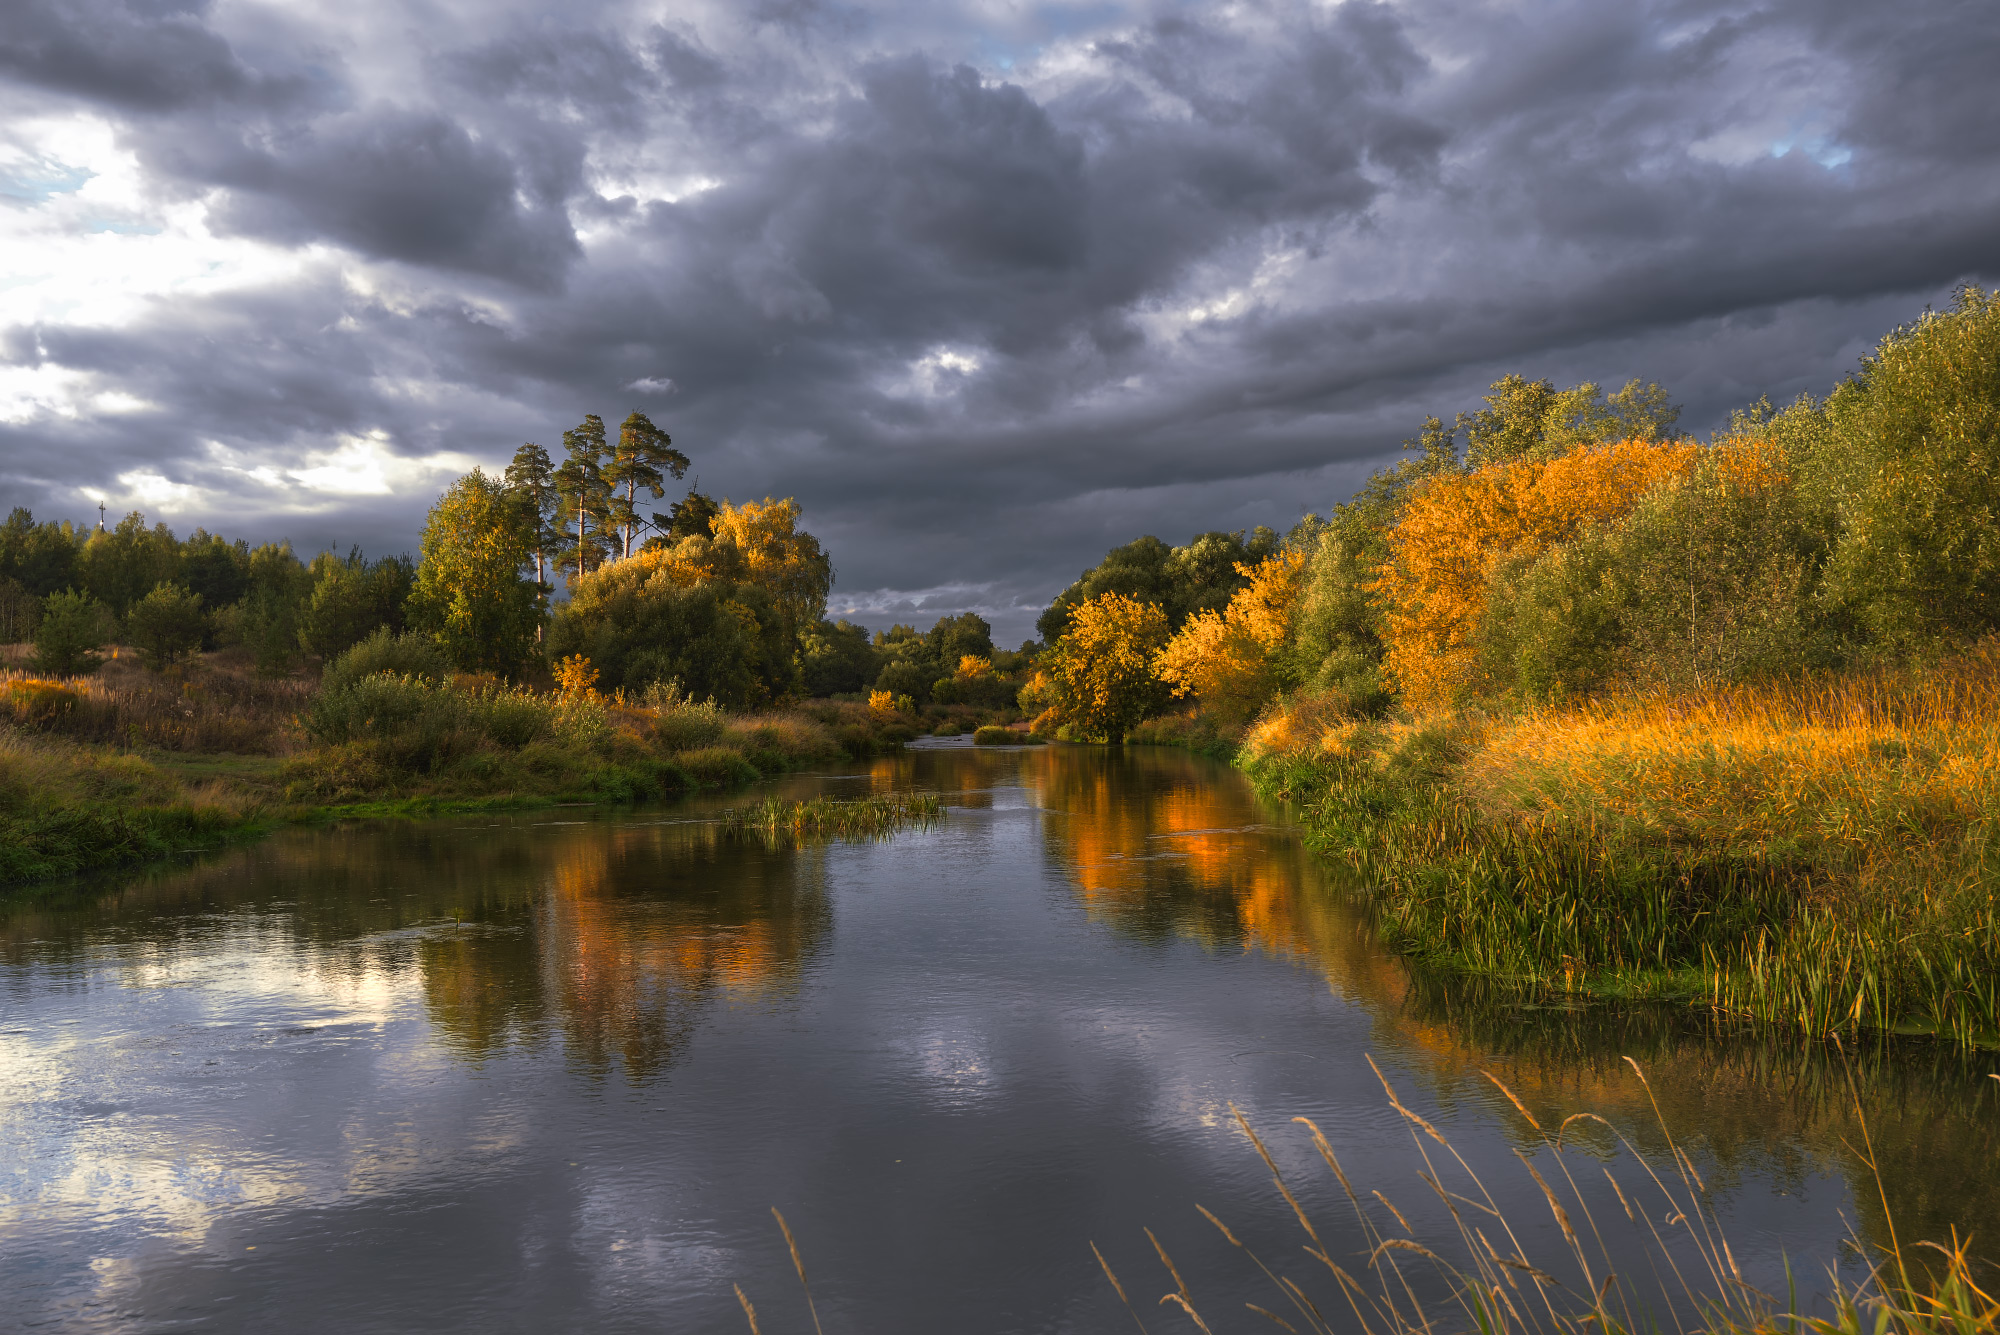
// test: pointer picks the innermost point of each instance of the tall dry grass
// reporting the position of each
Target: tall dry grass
(216, 705)
(1496, 1287)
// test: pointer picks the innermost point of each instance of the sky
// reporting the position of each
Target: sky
(990, 287)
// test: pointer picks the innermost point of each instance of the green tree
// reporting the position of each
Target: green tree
(639, 462)
(73, 628)
(693, 516)
(835, 658)
(351, 597)
(584, 498)
(1532, 419)
(1181, 581)
(718, 638)
(279, 585)
(20, 612)
(121, 565)
(1908, 455)
(41, 557)
(469, 593)
(215, 568)
(531, 481)
(166, 625)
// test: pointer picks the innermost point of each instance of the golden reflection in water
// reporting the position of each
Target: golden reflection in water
(1157, 848)
(636, 931)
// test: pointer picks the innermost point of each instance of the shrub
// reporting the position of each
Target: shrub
(408, 655)
(166, 625)
(993, 735)
(35, 702)
(717, 765)
(684, 724)
(71, 632)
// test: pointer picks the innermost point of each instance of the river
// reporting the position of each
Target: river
(551, 1071)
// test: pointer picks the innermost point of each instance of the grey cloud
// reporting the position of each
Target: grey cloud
(405, 186)
(136, 56)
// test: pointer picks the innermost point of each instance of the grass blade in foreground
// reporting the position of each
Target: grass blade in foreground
(1498, 1290)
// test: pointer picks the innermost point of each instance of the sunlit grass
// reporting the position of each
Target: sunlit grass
(1820, 853)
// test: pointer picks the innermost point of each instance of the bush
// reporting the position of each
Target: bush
(34, 702)
(684, 724)
(718, 765)
(994, 735)
(166, 625)
(71, 632)
(408, 655)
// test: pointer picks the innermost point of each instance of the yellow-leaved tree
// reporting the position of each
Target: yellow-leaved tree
(1098, 679)
(757, 543)
(1228, 660)
(1458, 526)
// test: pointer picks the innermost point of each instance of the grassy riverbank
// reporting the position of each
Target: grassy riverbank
(127, 765)
(1823, 853)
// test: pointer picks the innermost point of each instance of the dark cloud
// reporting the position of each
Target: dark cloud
(989, 299)
(415, 187)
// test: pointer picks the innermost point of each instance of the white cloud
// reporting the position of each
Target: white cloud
(653, 384)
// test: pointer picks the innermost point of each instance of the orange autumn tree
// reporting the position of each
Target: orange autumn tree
(1457, 527)
(1228, 660)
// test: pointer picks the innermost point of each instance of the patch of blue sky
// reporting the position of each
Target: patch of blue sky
(40, 180)
(1828, 153)
(1039, 27)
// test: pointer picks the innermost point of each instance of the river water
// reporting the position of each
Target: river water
(552, 1071)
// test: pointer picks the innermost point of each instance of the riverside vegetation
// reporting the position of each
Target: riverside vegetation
(1599, 709)
(160, 695)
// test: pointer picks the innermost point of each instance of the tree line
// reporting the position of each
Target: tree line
(1560, 543)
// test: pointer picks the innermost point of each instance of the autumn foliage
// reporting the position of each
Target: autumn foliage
(1097, 681)
(1457, 527)
(1229, 660)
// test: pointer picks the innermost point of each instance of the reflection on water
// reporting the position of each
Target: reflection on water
(616, 937)
(1159, 846)
(550, 1071)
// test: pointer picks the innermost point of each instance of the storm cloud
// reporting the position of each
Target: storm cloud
(989, 288)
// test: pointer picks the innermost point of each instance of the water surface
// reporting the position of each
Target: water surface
(551, 1072)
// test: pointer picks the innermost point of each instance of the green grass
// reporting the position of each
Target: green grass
(875, 816)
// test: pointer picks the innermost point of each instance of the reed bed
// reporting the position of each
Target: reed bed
(1818, 853)
(876, 816)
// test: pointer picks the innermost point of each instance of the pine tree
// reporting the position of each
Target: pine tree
(640, 462)
(531, 480)
(584, 497)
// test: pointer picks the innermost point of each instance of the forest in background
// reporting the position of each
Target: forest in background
(164, 692)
